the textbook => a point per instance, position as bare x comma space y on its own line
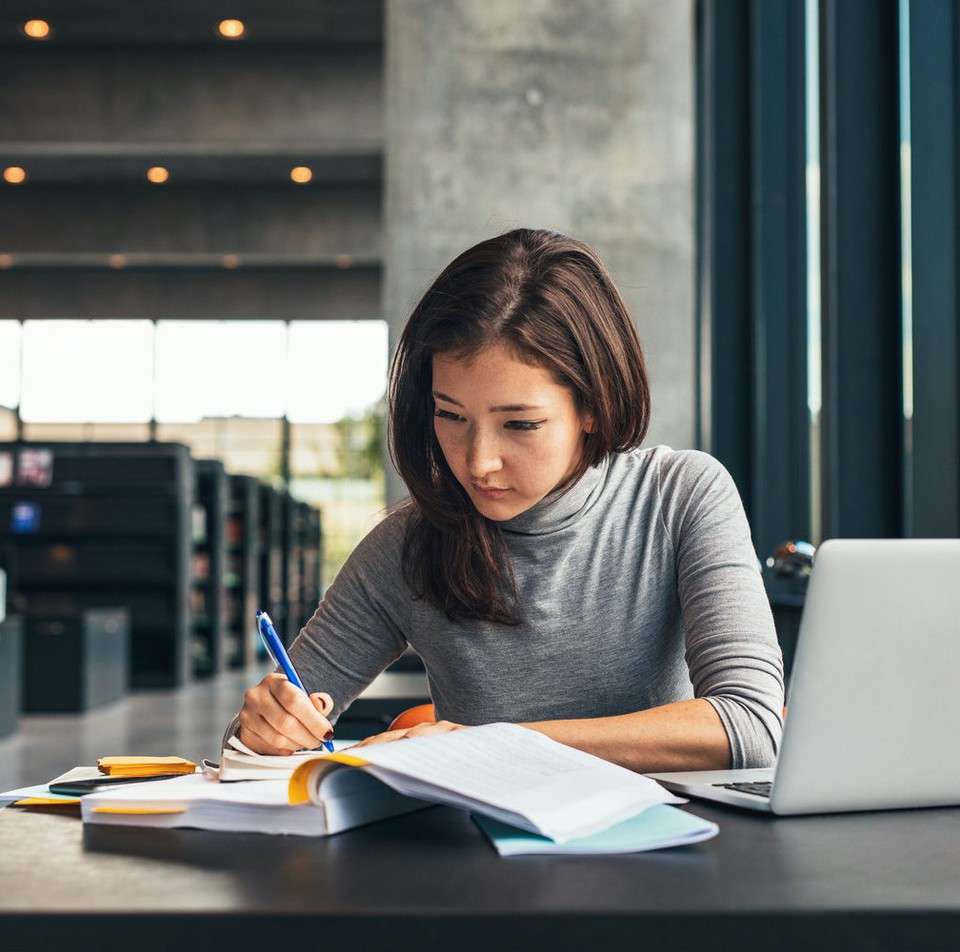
246, 806
507, 772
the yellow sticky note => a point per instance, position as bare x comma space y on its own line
144, 766
47, 802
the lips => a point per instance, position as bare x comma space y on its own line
489, 492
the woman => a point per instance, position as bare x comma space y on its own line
547, 570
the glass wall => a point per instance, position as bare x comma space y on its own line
293, 403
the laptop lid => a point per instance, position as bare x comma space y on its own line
874, 699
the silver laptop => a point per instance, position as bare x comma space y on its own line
873, 706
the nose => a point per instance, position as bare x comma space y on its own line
483, 453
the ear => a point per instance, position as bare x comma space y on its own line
587, 423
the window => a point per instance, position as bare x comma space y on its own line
336, 375
296, 404
828, 250
9, 378
86, 379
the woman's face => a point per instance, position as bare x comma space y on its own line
509, 432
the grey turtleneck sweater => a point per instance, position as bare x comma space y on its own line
638, 587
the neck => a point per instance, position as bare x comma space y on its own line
560, 507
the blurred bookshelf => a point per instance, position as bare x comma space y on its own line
190, 550
241, 579
208, 594
103, 525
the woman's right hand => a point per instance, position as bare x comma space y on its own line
278, 718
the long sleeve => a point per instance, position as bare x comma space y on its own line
732, 652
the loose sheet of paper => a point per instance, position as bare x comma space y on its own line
657, 828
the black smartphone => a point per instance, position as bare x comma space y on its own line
77, 788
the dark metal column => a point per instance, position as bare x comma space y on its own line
932, 462
723, 237
752, 261
862, 386
780, 457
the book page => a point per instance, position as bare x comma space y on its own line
516, 773
493, 760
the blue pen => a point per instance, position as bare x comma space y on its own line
275, 649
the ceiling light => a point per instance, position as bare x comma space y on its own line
14, 175
158, 174
301, 174
231, 29
36, 29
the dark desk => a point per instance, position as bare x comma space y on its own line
430, 881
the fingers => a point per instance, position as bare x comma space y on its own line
278, 718
421, 730
380, 738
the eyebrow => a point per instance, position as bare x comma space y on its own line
504, 408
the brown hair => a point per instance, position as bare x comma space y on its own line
550, 299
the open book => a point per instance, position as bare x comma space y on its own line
502, 771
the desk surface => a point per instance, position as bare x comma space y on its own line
430, 880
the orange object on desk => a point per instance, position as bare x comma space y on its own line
419, 714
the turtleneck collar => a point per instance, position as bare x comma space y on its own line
558, 510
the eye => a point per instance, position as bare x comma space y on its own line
524, 425
446, 414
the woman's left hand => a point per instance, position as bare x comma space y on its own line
420, 730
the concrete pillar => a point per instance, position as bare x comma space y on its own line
575, 115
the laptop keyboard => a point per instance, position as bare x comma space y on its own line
759, 788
